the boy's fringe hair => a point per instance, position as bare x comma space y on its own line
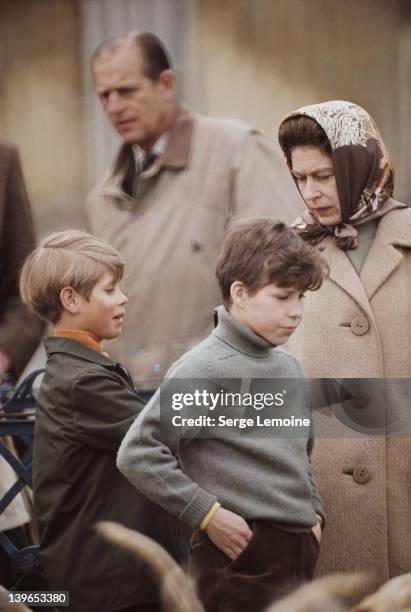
70, 258
258, 252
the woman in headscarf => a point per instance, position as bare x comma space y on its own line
356, 326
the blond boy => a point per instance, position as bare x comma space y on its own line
86, 404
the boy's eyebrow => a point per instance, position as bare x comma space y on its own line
286, 289
110, 281
293, 289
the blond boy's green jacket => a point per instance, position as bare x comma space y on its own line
86, 404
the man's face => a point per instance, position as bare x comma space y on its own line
138, 108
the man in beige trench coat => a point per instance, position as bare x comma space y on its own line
175, 184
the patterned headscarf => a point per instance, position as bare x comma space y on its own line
363, 171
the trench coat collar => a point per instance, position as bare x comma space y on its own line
176, 155
385, 255
394, 230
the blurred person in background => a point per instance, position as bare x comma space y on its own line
356, 326
165, 202
20, 330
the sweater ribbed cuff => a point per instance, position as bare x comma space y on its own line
194, 513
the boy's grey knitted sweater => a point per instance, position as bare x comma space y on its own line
257, 477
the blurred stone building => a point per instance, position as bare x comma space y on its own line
250, 59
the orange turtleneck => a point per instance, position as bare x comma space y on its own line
85, 337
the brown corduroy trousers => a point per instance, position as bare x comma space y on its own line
273, 564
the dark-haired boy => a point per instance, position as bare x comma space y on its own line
251, 500
86, 404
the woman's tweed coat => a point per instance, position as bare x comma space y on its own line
359, 327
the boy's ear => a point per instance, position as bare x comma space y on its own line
238, 292
69, 300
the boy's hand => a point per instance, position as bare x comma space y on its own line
317, 530
229, 532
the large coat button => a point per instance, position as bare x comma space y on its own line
361, 474
359, 326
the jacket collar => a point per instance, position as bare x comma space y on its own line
57, 344
232, 332
384, 256
81, 335
176, 155
54, 345
179, 144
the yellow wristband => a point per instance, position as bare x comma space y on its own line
209, 515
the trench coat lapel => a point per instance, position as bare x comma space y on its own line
343, 274
176, 156
384, 256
